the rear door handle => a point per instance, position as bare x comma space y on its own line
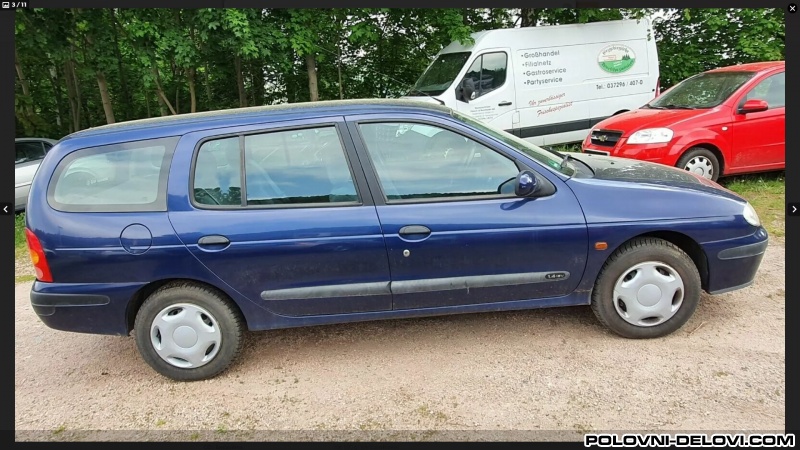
213, 241
504, 104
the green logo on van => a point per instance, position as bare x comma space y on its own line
616, 58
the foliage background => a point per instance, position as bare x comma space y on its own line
78, 68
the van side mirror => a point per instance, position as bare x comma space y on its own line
465, 90
753, 105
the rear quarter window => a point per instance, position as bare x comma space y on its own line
124, 177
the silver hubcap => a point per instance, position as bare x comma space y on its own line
185, 335
701, 166
648, 294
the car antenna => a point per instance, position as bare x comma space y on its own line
413, 89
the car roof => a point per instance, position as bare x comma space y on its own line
751, 67
185, 123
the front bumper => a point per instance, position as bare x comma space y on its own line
658, 153
733, 263
95, 308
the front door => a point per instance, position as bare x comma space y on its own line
454, 233
759, 138
280, 215
493, 99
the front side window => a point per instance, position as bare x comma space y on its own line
121, 177
706, 90
488, 72
287, 167
771, 89
421, 161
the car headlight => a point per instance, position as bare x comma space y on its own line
750, 215
651, 136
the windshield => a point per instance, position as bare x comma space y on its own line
440, 74
549, 158
706, 90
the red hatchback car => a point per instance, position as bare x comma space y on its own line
726, 121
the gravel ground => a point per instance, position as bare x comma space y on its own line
549, 374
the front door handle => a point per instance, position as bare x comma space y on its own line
213, 241
504, 104
414, 229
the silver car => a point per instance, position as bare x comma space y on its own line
30, 152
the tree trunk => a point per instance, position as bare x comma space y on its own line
127, 107
311, 67
56, 95
339, 68
529, 17
72, 97
25, 87
259, 94
108, 108
147, 101
465, 15
78, 96
208, 86
240, 82
160, 92
177, 98
190, 76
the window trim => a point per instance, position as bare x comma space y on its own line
242, 135
159, 205
41, 145
386, 201
480, 56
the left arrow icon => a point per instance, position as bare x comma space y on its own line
6, 208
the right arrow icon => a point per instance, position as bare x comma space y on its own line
793, 209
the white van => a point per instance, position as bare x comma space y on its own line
547, 84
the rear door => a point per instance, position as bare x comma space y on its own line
280, 214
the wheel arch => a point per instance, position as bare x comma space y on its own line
710, 147
682, 241
145, 291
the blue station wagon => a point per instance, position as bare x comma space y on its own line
191, 229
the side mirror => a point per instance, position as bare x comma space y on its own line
753, 105
526, 184
465, 90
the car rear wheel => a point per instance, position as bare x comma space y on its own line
187, 332
648, 288
700, 161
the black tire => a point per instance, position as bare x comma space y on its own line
638, 251
230, 323
699, 155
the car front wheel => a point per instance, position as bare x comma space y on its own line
188, 332
648, 288
700, 161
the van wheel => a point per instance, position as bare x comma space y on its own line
701, 161
188, 332
648, 288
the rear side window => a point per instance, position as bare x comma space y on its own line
287, 167
125, 177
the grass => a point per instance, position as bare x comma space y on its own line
20, 245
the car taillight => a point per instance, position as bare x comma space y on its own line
37, 257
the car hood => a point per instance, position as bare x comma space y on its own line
634, 171
639, 119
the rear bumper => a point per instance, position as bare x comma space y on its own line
84, 308
732, 264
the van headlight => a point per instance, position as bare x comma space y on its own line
651, 136
750, 215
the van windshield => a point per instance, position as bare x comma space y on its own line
550, 158
440, 74
706, 90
